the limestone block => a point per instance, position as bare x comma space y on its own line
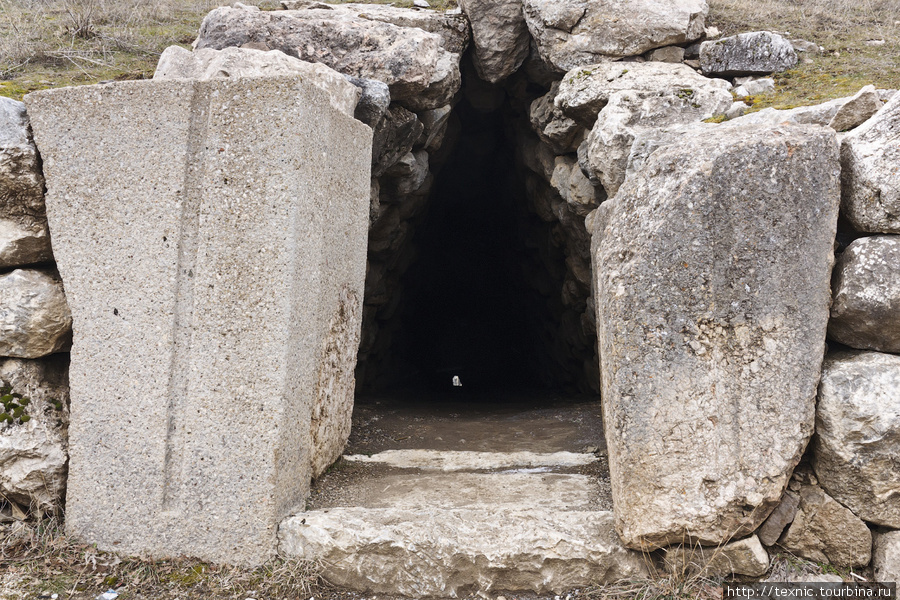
753, 53
434, 123
206, 63
817, 114
374, 100
34, 318
742, 557
33, 454
21, 181
424, 552
555, 129
393, 137
669, 54
765, 85
24, 238
573, 33
500, 37
825, 531
870, 196
23, 244
580, 194
857, 110
857, 432
585, 91
712, 266
451, 26
212, 239
781, 517
886, 556
420, 73
865, 313
627, 113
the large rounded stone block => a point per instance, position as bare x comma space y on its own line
866, 309
34, 451
870, 154
858, 434
572, 33
712, 268
420, 73
34, 318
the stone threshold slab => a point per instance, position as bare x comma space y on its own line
557, 491
451, 552
465, 460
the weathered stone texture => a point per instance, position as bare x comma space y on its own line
500, 37
207, 232
572, 33
865, 313
561, 133
742, 557
451, 26
24, 238
754, 53
857, 110
627, 113
207, 63
712, 268
858, 432
34, 318
781, 517
33, 454
886, 556
585, 91
442, 554
870, 160
825, 531
21, 182
420, 73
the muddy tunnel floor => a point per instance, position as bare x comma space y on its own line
538, 422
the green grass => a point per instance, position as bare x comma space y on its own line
841, 27
54, 43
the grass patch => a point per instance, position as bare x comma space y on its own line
55, 43
841, 27
37, 558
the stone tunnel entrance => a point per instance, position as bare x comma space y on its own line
480, 292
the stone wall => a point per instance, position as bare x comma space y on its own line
684, 266
36, 328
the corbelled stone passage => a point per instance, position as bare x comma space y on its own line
476, 301
211, 235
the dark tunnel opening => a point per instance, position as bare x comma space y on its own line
470, 312
479, 294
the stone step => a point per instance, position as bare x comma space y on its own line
560, 491
449, 552
466, 460
446, 523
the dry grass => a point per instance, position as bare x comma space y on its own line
37, 558
841, 27
51, 43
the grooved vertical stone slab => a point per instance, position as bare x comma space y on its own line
712, 268
211, 236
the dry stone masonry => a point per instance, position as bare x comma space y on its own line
35, 328
239, 245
